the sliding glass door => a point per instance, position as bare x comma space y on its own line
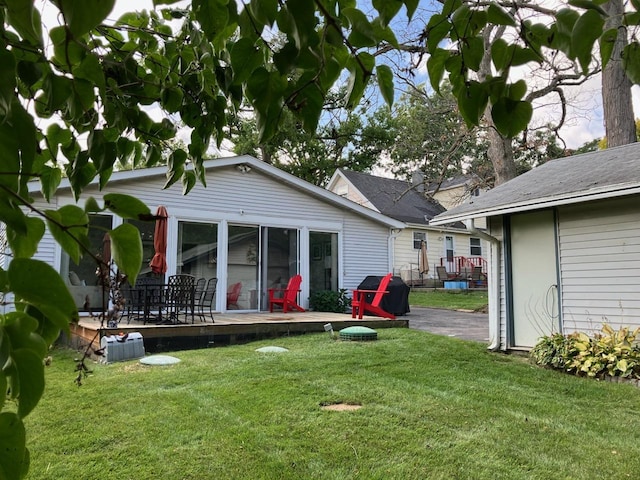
279, 259
243, 267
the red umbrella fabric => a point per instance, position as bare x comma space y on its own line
158, 263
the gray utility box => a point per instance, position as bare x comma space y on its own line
118, 348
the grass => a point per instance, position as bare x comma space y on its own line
432, 407
449, 299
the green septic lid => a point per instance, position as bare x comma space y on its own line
358, 333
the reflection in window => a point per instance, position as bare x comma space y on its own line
242, 268
146, 230
81, 278
197, 249
323, 261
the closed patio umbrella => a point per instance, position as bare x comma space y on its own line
158, 263
423, 260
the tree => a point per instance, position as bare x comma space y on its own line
95, 86
341, 141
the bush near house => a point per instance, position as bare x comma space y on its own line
608, 353
330, 301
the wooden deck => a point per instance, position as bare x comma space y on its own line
228, 329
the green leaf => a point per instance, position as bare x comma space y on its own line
436, 67
188, 181
84, 16
26, 245
472, 100
171, 99
14, 458
586, 31
412, 6
31, 377
91, 206
213, 16
7, 81
385, 83
69, 226
21, 328
437, 30
387, 9
472, 51
498, 16
589, 5
631, 61
126, 248
245, 58
510, 116
361, 71
607, 44
37, 283
50, 178
362, 32
518, 90
90, 69
126, 206
24, 17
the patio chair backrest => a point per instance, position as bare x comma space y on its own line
293, 287
382, 289
209, 292
442, 273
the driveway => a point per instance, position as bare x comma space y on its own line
452, 323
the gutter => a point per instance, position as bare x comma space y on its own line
494, 283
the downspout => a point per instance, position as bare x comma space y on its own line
394, 232
494, 282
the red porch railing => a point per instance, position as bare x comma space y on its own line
459, 264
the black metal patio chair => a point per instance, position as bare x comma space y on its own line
206, 299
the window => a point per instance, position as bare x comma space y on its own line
418, 238
475, 248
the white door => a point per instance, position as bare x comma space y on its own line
534, 277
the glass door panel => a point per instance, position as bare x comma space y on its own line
242, 268
279, 259
323, 261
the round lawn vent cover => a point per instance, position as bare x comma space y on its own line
159, 360
271, 349
358, 333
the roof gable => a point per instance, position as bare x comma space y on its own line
606, 173
394, 198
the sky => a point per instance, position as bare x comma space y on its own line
584, 119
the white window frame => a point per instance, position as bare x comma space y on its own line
477, 247
418, 238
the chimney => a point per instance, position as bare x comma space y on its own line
417, 181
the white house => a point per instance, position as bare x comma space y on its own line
451, 245
565, 246
252, 223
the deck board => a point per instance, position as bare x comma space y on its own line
227, 329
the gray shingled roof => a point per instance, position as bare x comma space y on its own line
603, 174
395, 198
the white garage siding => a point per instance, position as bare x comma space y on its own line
494, 226
600, 264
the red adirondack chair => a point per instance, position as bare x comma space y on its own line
233, 293
289, 294
359, 304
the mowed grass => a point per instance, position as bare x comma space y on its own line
432, 408
449, 299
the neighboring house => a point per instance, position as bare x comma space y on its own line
449, 245
565, 247
253, 224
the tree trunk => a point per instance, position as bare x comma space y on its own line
500, 151
617, 105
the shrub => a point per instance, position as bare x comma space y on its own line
330, 301
608, 353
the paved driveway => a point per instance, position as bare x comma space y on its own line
464, 325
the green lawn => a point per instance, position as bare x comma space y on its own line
432, 408
450, 299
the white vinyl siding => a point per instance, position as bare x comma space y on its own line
495, 229
255, 198
600, 261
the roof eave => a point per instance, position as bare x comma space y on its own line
539, 204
